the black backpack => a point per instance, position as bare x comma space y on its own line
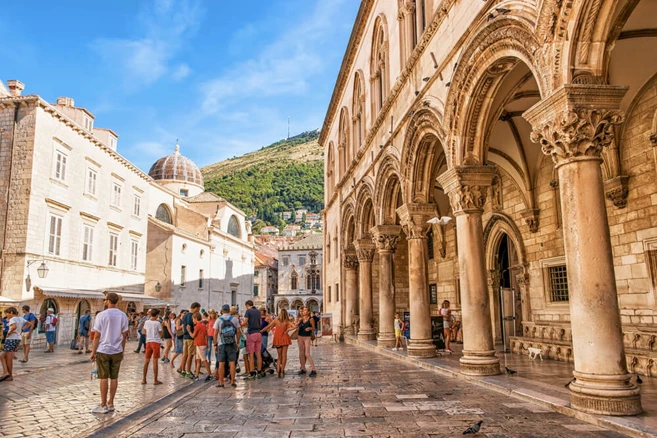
227, 331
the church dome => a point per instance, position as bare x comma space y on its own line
175, 167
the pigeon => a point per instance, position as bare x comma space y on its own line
502, 11
439, 221
638, 379
509, 371
474, 428
568, 384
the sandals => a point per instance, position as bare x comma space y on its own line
22, 361
3, 378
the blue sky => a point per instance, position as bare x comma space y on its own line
222, 76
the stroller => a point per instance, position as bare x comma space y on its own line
267, 362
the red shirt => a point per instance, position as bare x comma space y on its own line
200, 335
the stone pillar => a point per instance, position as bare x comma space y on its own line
350, 263
573, 125
466, 187
414, 219
365, 254
386, 238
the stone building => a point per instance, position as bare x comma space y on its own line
265, 283
532, 125
300, 274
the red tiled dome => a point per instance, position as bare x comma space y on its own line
176, 167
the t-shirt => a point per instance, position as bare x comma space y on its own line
253, 324
200, 335
219, 322
50, 327
5, 325
29, 318
188, 320
210, 326
85, 323
140, 324
153, 331
19, 325
398, 324
111, 324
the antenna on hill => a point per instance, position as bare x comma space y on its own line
288, 128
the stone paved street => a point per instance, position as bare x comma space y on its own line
357, 393
57, 401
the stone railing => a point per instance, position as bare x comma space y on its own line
555, 332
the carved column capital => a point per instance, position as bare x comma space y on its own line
364, 250
616, 190
349, 259
531, 218
386, 237
576, 121
467, 186
414, 219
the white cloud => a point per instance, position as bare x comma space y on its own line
148, 57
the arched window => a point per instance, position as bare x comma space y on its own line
233, 226
294, 281
330, 171
358, 112
379, 66
343, 142
163, 214
407, 24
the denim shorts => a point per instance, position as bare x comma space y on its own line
50, 337
179, 345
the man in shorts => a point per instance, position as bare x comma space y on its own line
227, 351
84, 326
189, 349
111, 327
253, 340
28, 331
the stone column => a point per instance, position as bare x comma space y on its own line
350, 263
414, 219
386, 238
466, 187
573, 125
365, 254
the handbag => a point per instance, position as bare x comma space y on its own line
294, 333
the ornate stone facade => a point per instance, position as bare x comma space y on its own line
533, 159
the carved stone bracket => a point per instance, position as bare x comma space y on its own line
414, 219
386, 237
653, 139
616, 190
364, 250
531, 218
467, 187
350, 260
577, 120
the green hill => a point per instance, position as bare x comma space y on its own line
285, 175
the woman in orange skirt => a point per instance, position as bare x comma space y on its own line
281, 338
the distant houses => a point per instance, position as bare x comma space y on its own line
271, 230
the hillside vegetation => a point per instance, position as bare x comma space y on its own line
285, 175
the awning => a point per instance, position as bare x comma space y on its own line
5, 300
72, 293
143, 298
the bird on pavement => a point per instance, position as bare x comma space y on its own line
638, 379
473, 429
568, 384
509, 371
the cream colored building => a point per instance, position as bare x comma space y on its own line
532, 125
300, 275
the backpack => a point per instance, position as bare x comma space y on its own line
54, 321
227, 331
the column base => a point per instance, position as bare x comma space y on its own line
605, 394
386, 340
421, 348
366, 334
349, 330
479, 363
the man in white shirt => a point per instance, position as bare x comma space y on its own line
51, 330
111, 327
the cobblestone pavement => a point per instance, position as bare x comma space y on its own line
57, 400
356, 393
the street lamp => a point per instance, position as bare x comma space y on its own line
158, 287
42, 271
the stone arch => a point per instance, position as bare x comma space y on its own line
423, 147
163, 213
296, 303
379, 65
387, 188
364, 213
489, 56
497, 225
283, 304
358, 113
344, 143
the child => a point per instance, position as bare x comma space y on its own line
200, 336
153, 332
12, 341
399, 325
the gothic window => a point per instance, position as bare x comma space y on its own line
343, 142
358, 113
233, 226
379, 67
294, 281
407, 24
163, 214
330, 171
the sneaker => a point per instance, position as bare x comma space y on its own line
301, 372
100, 410
260, 376
233, 385
110, 408
192, 376
251, 376
208, 378
313, 373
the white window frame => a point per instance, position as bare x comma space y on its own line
136, 205
55, 225
183, 275
134, 255
116, 194
112, 143
59, 166
87, 242
113, 249
184, 193
92, 181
